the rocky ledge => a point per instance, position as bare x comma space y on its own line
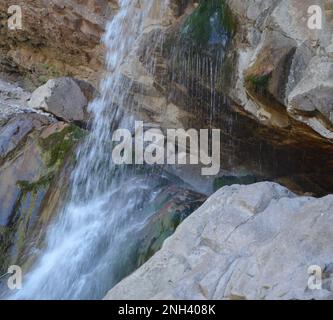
245, 242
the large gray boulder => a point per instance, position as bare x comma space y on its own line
61, 97
245, 242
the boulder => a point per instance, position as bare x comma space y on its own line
314, 93
63, 98
245, 242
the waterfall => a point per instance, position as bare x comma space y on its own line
86, 244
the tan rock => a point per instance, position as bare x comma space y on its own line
61, 38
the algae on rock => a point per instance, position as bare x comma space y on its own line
211, 23
42, 158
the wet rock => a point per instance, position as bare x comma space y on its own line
245, 242
231, 180
167, 206
171, 207
34, 152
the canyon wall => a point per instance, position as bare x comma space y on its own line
252, 69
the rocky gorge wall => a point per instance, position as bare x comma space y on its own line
59, 38
245, 77
257, 73
239, 79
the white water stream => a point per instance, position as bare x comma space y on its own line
86, 246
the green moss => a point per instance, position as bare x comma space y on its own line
171, 208
42, 80
46, 72
225, 74
27, 187
25, 218
5, 243
60, 143
259, 82
163, 229
46, 66
53, 152
211, 21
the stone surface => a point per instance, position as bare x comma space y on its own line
59, 38
245, 242
270, 94
171, 204
61, 97
13, 100
171, 207
16, 130
284, 68
33, 174
178, 83
313, 95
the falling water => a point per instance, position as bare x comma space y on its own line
87, 248
87, 244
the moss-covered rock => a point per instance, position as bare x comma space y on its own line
198, 65
58, 144
171, 207
212, 23
164, 213
27, 174
259, 83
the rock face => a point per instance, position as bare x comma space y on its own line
171, 207
245, 242
58, 38
257, 63
248, 75
36, 155
285, 69
313, 94
35, 163
61, 97
16, 130
13, 100
252, 69
172, 204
